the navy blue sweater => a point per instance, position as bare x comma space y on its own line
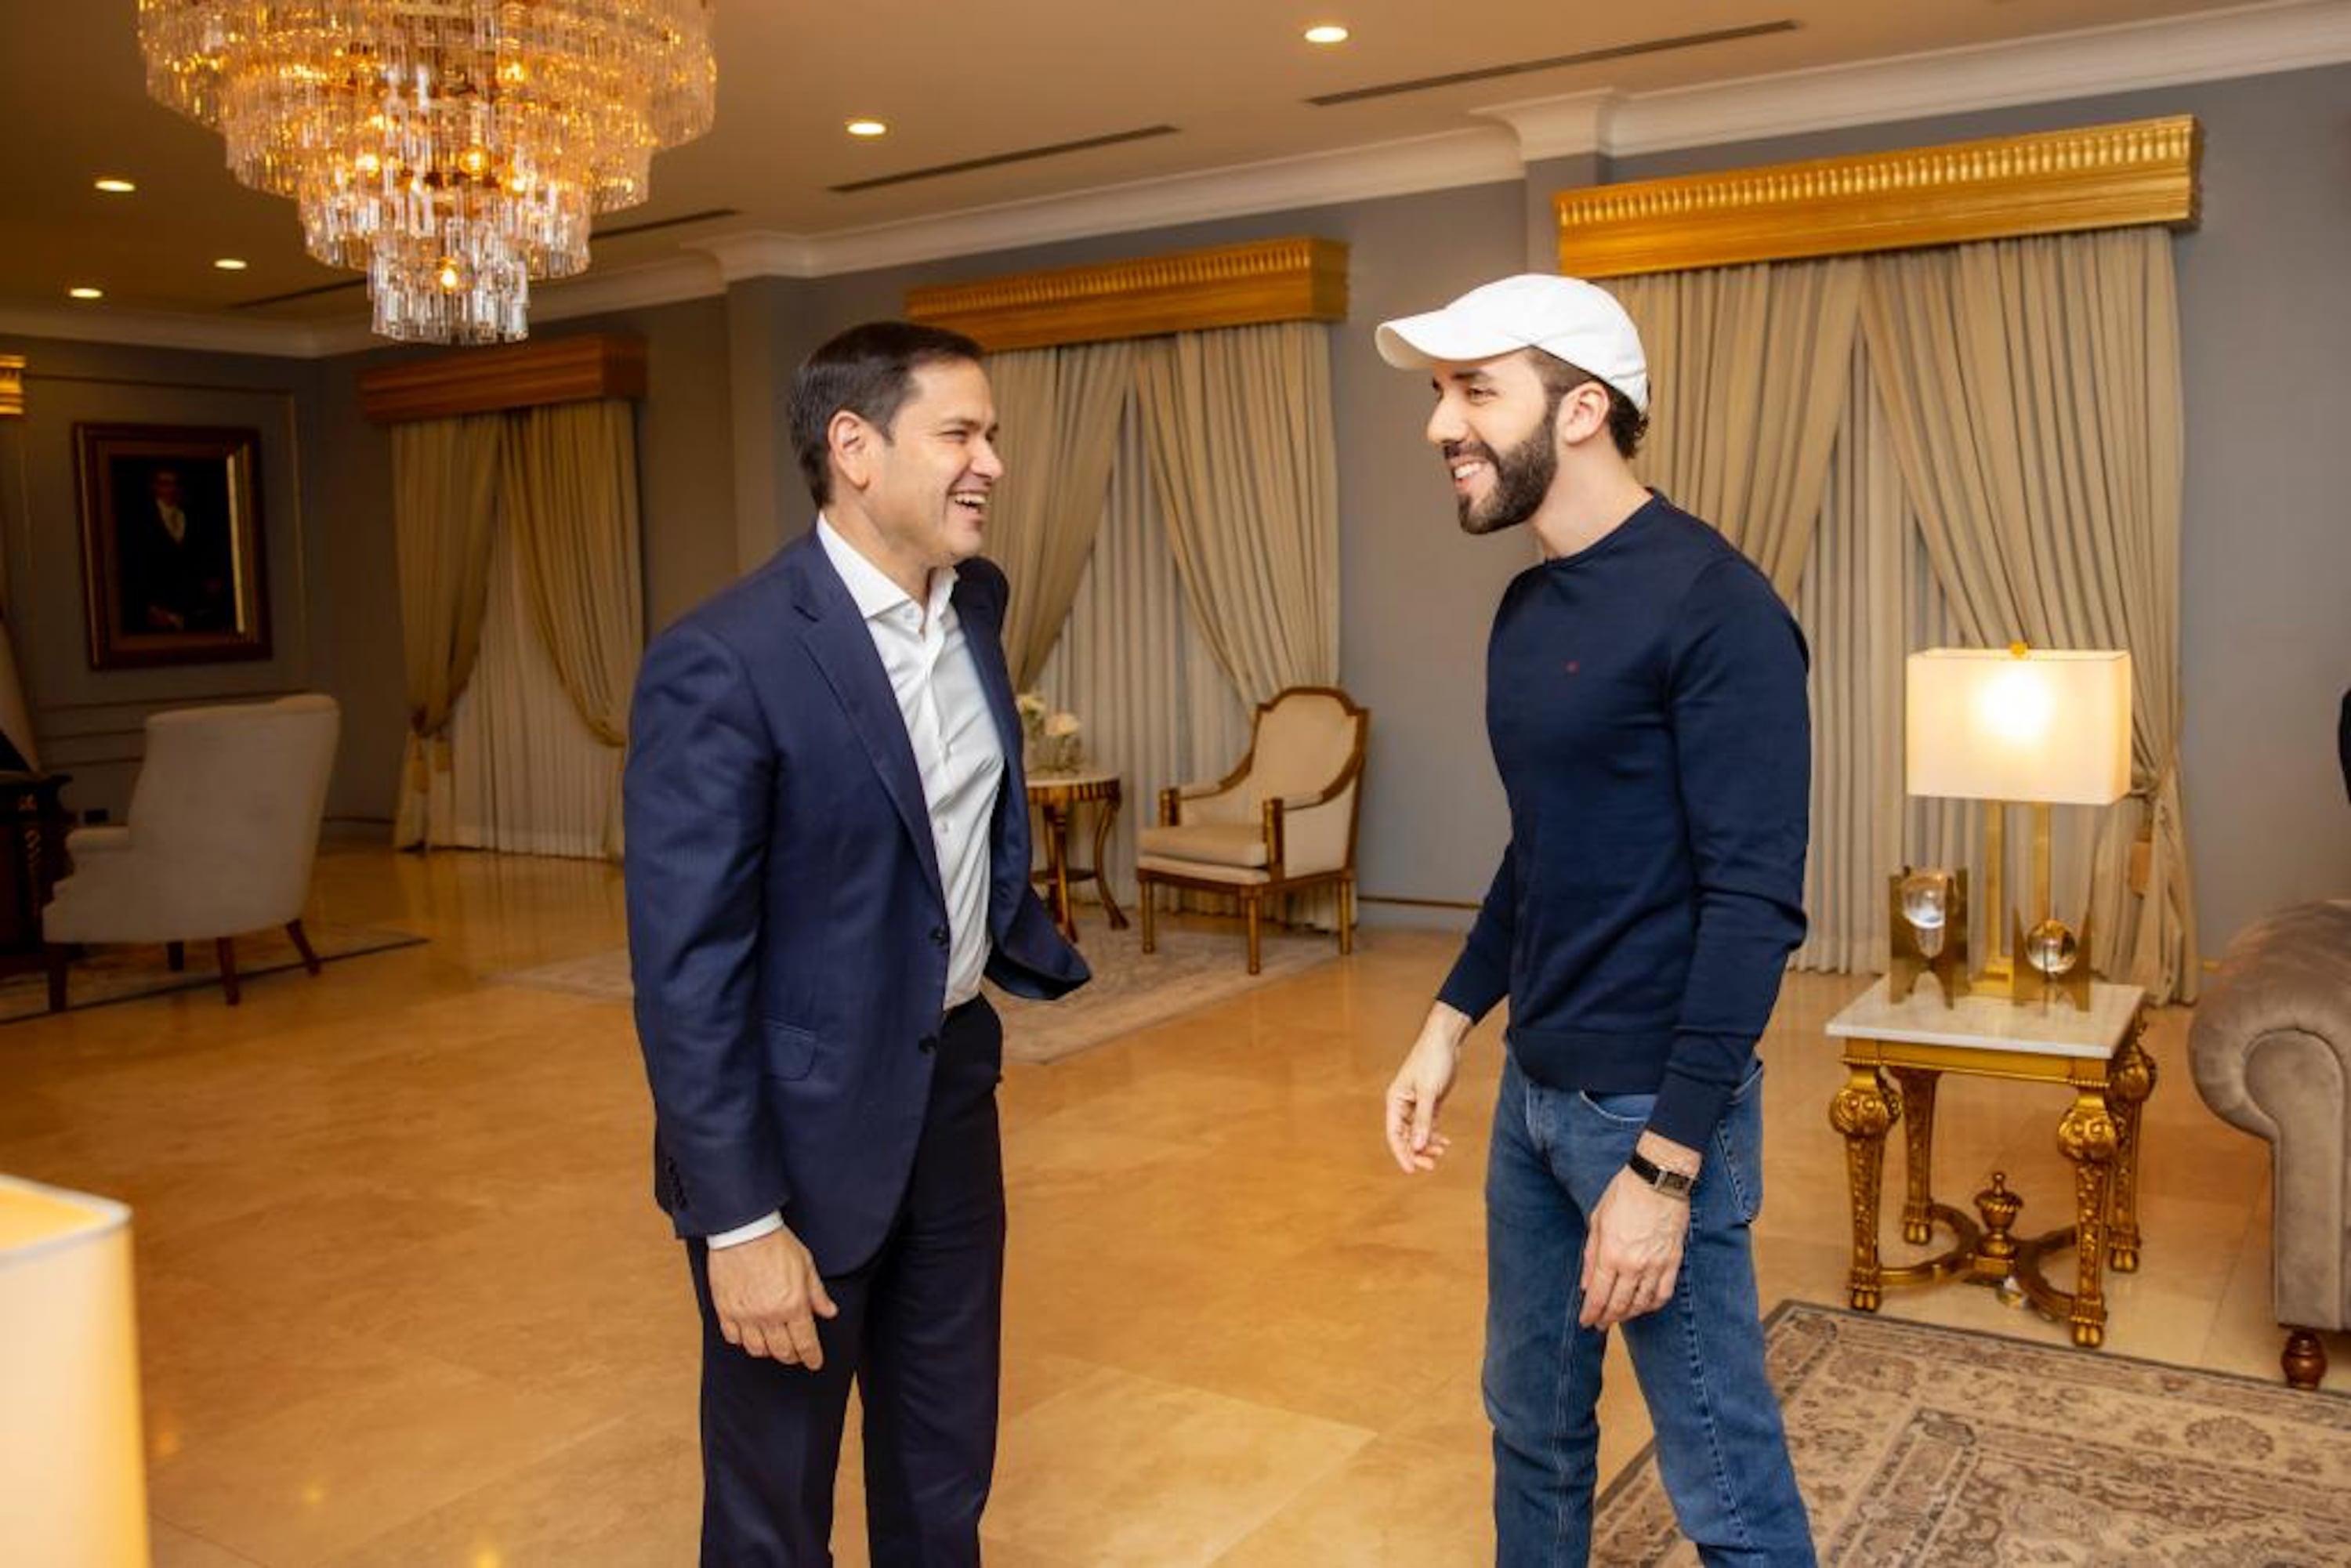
1645, 701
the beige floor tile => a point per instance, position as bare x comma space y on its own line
1127, 1470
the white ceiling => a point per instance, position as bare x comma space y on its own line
955, 82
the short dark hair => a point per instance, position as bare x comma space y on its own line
867, 370
1627, 424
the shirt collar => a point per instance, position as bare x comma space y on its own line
870, 586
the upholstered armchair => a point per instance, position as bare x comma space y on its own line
219, 841
1282, 822
2271, 1049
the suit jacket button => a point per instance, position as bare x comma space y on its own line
927, 1045
938, 935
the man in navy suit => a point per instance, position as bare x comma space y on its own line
827, 846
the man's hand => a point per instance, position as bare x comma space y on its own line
1632, 1251
769, 1296
1420, 1088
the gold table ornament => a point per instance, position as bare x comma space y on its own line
1896, 1054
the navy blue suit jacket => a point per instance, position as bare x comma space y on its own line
787, 934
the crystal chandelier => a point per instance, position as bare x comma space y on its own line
451, 150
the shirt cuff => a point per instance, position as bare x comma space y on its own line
767, 1224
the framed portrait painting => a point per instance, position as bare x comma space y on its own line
172, 545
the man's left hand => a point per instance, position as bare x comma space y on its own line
1632, 1251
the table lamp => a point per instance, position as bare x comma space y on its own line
2041, 726
73, 1480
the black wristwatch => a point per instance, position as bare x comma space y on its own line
1673, 1184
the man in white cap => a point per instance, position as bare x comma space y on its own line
1646, 703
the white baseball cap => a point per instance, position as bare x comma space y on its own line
1566, 317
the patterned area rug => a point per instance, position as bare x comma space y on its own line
1131, 990
1922, 1448
111, 974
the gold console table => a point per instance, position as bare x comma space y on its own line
1896, 1054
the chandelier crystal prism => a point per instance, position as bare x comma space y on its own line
451, 150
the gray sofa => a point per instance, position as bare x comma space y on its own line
2271, 1054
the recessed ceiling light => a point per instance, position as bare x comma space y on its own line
867, 128
84, 291
116, 187
1326, 33
230, 264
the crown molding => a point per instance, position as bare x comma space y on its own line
759, 253
2212, 46
1565, 127
160, 330
1442, 161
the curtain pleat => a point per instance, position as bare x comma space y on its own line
1134, 665
445, 475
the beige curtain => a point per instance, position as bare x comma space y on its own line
1242, 451
2032, 391
527, 774
1134, 666
1850, 607
1750, 366
443, 507
567, 496
1058, 410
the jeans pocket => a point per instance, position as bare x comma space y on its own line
1625, 1110
790, 1051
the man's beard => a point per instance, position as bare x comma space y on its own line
1522, 477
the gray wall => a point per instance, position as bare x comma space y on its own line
2265, 327
87, 722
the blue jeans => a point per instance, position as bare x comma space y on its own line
1720, 1446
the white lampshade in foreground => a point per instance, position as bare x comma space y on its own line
73, 1489
1988, 724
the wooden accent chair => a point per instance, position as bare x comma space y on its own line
1281, 822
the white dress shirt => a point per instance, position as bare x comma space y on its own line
956, 750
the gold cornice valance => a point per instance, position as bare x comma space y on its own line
1230, 285
580, 368
2102, 176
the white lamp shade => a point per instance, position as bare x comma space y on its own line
1988, 724
73, 1486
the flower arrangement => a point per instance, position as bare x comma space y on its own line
1051, 740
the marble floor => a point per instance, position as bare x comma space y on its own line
404, 1298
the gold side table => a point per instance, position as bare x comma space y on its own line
1896, 1054
1057, 797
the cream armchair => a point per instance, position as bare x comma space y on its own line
1282, 822
223, 827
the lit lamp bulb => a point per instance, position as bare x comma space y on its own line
451, 277
474, 161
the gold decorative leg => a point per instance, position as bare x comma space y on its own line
1346, 915
1917, 1086
2088, 1137
1106, 813
1864, 1112
1256, 917
2131, 1080
1147, 904
1057, 861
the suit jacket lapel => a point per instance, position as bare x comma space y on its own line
837, 637
1009, 867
